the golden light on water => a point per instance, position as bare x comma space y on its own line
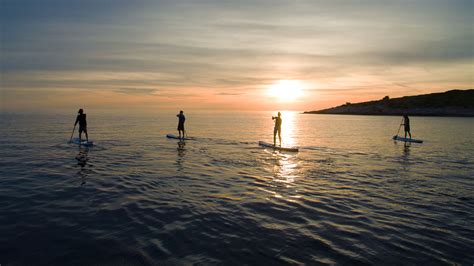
286, 90
285, 168
288, 127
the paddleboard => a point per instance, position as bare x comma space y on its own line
269, 145
83, 143
172, 136
407, 139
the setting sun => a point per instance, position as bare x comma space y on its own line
286, 90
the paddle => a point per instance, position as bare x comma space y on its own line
401, 123
72, 134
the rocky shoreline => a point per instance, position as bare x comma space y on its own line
450, 103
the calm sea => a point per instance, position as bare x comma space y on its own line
350, 196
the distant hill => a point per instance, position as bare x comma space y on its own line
450, 103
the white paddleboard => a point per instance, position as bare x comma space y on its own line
172, 136
83, 142
407, 139
269, 145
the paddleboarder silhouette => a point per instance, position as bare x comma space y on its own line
277, 128
181, 123
406, 125
81, 119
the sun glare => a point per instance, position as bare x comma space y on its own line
286, 90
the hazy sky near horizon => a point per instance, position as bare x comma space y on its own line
227, 54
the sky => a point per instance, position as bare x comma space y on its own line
229, 55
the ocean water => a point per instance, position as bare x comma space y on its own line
351, 196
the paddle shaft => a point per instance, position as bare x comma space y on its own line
72, 134
401, 123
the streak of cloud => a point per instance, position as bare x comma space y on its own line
139, 91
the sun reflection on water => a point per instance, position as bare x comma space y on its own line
283, 172
287, 128
285, 168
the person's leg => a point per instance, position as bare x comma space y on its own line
409, 133
274, 137
405, 134
87, 136
279, 135
80, 135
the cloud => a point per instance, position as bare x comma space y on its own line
228, 93
136, 91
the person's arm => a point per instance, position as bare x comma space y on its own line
77, 121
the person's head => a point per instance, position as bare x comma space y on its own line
181, 112
405, 116
80, 111
279, 114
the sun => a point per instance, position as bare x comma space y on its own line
286, 90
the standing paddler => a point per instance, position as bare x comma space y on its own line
81, 119
181, 120
277, 128
406, 125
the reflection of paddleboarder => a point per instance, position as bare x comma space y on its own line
406, 125
277, 128
181, 148
181, 123
82, 162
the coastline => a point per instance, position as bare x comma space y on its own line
454, 103
437, 113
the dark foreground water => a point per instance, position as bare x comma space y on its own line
350, 196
